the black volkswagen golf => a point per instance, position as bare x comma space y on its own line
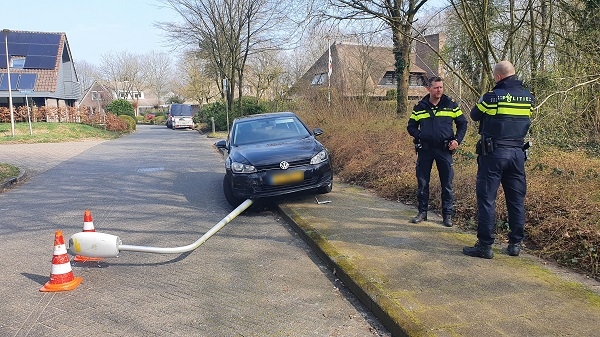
273, 154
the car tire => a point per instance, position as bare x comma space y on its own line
228, 191
325, 189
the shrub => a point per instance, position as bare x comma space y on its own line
218, 111
215, 110
250, 106
114, 123
121, 107
131, 123
391, 95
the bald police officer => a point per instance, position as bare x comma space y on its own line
504, 119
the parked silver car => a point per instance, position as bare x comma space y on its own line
180, 116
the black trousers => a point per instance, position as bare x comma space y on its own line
443, 162
504, 166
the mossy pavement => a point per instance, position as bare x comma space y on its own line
415, 278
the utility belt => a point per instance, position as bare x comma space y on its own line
432, 145
488, 145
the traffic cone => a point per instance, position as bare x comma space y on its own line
61, 277
88, 226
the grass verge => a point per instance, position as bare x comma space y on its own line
42, 132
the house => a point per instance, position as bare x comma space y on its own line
101, 94
369, 71
41, 70
97, 97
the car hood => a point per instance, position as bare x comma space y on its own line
275, 152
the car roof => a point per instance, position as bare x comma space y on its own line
266, 115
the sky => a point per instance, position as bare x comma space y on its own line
94, 28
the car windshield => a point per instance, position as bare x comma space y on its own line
267, 130
181, 110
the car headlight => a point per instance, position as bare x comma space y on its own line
319, 158
242, 168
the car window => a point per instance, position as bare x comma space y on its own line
181, 110
268, 130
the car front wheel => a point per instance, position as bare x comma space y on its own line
325, 189
228, 191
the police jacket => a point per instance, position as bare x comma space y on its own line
433, 124
504, 113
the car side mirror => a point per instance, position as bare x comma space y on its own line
221, 144
317, 131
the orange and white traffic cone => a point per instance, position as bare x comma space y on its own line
61, 277
88, 226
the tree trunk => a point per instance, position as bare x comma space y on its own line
401, 38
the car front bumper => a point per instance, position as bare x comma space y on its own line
261, 184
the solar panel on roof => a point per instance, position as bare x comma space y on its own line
40, 49
50, 49
22, 38
47, 62
35, 50
27, 81
33, 62
19, 49
38, 39
53, 39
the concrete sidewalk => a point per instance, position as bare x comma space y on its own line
416, 280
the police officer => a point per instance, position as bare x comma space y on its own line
430, 125
504, 118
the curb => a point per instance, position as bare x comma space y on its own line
387, 311
13, 181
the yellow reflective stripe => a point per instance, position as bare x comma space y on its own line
514, 109
489, 109
418, 115
446, 114
457, 112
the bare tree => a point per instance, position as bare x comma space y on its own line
227, 32
196, 81
87, 73
265, 69
122, 73
157, 72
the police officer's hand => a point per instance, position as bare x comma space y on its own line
453, 145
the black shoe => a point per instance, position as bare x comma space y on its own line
514, 249
422, 216
447, 220
479, 250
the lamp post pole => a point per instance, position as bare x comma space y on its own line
28, 110
10, 103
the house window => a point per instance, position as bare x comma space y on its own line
130, 94
96, 96
319, 79
416, 81
17, 62
389, 78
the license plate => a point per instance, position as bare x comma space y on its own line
287, 178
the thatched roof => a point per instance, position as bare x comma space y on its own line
359, 70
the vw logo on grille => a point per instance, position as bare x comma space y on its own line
284, 165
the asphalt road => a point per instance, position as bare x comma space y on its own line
160, 188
